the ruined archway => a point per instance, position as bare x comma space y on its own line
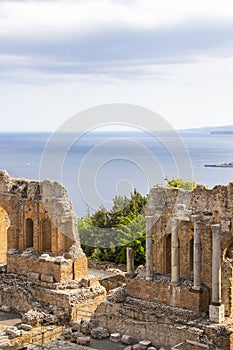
4, 224
168, 253
29, 233
46, 235
191, 247
38, 215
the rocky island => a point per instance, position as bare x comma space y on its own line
220, 165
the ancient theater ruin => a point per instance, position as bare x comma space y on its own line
183, 299
43, 270
38, 231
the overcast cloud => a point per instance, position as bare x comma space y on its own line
99, 42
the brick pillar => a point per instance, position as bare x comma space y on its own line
216, 310
196, 254
36, 227
175, 257
149, 248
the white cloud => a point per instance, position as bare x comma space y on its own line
45, 18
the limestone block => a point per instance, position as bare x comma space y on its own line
126, 339
83, 340
44, 257
216, 313
60, 259
136, 347
34, 276
5, 308
151, 348
8, 330
130, 347
144, 344
11, 251
25, 327
99, 333
89, 281
115, 337
13, 332
47, 278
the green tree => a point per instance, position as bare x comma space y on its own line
133, 235
178, 182
100, 233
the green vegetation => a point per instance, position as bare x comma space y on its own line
178, 182
106, 234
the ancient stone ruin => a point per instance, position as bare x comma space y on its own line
183, 297
43, 270
38, 231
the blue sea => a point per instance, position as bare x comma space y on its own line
97, 165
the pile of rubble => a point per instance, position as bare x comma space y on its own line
82, 332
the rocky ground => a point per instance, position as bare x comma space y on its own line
62, 345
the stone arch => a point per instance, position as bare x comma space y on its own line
4, 225
46, 235
168, 253
29, 233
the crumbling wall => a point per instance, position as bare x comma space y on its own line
42, 219
160, 290
212, 206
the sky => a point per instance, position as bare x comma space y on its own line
60, 57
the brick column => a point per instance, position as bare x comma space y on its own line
216, 310
149, 248
175, 257
36, 227
196, 254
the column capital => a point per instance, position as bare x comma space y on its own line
216, 228
174, 220
195, 218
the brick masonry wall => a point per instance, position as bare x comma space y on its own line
61, 272
164, 331
167, 294
213, 206
3, 235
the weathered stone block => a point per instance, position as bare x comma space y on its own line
47, 278
126, 339
99, 333
115, 337
34, 276
144, 344
25, 327
216, 313
137, 347
5, 308
83, 340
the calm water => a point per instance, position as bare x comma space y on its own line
96, 166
